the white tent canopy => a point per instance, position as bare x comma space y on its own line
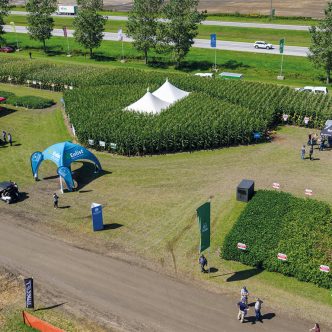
170, 93
148, 104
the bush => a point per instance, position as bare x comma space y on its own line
277, 222
6, 94
30, 102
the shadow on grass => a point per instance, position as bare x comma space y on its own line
112, 226
103, 58
244, 275
6, 111
51, 307
233, 64
23, 196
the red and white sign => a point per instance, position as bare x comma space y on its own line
282, 257
306, 120
308, 192
275, 185
324, 268
242, 246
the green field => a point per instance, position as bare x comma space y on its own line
155, 198
265, 67
297, 38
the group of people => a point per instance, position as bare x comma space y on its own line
313, 140
7, 138
244, 307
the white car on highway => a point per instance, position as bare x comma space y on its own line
263, 44
315, 89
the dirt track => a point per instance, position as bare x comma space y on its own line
125, 295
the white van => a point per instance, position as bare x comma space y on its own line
315, 89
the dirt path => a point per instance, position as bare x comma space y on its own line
124, 294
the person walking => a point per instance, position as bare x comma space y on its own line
311, 152
203, 262
316, 328
55, 201
303, 152
30, 55
243, 308
244, 294
10, 140
4, 137
258, 307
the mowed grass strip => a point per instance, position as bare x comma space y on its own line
293, 37
152, 201
258, 67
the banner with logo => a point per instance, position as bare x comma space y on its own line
35, 160
65, 173
97, 217
203, 218
213, 40
281, 45
29, 296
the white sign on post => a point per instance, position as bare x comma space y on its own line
242, 246
275, 185
282, 257
308, 192
324, 268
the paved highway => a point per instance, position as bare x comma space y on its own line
200, 43
216, 23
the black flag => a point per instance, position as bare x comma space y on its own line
29, 300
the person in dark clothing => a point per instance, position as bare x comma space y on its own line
311, 151
10, 140
30, 55
258, 307
55, 201
243, 308
4, 136
203, 262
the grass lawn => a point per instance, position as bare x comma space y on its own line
297, 38
257, 67
154, 199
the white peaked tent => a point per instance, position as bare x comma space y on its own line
170, 93
148, 104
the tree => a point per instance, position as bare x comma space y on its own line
178, 32
40, 21
89, 27
321, 43
4, 9
142, 24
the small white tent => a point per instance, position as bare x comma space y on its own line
148, 104
170, 93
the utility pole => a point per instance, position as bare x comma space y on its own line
271, 17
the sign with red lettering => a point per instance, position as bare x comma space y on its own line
242, 246
324, 268
308, 192
282, 257
275, 185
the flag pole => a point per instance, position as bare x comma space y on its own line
282, 60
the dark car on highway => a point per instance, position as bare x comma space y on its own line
6, 49
9, 192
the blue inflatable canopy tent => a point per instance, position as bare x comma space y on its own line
63, 154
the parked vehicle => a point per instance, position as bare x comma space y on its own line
314, 89
263, 44
9, 192
6, 49
67, 10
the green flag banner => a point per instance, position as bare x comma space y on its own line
203, 218
281, 45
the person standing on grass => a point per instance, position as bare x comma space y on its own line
316, 328
303, 152
30, 55
242, 310
4, 136
311, 152
10, 140
258, 307
202, 262
55, 201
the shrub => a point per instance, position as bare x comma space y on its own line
6, 94
30, 102
277, 222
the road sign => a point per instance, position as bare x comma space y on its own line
308, 192
282, 257
281, 45
242, 246
213, 40
324, 268
275, 185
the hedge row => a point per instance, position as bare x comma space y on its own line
277, 222
26, 101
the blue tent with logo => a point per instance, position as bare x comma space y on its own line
63, 154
